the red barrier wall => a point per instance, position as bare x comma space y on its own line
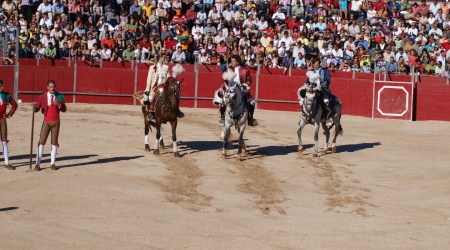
276, 91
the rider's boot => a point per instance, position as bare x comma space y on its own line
180, 114
251, 110
222, 116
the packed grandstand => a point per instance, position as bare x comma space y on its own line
361, 36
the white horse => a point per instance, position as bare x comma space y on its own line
236, 112
311, 113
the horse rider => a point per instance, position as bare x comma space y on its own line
157, 75
243, 77
324, 82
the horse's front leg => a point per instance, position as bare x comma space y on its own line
241, 148
316, 139
174, 138
226, 134
158, 137
299, 133
326, 132
336, 131
146, 130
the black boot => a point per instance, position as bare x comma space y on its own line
180, 114
251, 120
222, 116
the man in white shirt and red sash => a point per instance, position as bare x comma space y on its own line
5, 100
243, 77
51, 103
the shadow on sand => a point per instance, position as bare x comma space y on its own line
357, 147
5, 209
85, 163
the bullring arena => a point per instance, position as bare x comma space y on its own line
385, 187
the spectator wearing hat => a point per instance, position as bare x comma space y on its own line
388, 53
57, 33
24, 50
47, 39
321, 24
265, 39
210, 28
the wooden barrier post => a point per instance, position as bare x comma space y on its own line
135, 82
196, 81
258, 70
74, 81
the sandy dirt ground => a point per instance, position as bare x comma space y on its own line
387, 187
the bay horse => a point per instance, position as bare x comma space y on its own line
167, 106
236, 114
312, 113
147, 127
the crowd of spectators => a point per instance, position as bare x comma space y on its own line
357, 35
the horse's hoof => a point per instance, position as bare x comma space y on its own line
177, 154
239, 159
324, 151
333, 149
161, 143
300, 150
223, 155
147, 148
156, 151
314, 156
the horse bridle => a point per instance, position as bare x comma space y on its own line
311, 102
232, 104
173, 90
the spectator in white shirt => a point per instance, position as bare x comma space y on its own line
279, 16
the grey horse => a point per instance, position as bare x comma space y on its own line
312, 113
236, 112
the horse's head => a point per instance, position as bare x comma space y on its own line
311, 96
172, 91
233, 95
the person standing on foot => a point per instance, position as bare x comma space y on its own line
5, 100
50, 103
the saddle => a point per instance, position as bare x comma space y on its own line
156, 97
330, 110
